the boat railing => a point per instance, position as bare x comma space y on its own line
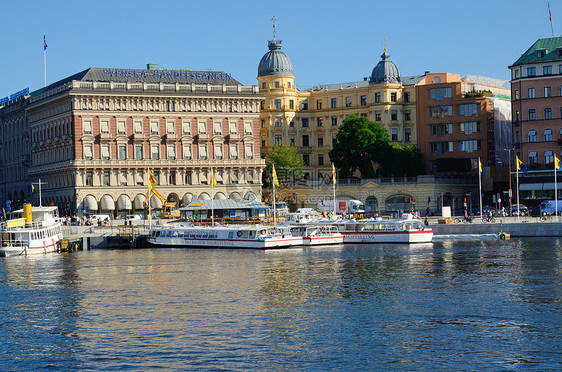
34, 225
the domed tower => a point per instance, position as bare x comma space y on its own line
385, 71
276, 83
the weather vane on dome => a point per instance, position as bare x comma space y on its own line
274, 20
384, 43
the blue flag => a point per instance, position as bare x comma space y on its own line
521, 166
44, 42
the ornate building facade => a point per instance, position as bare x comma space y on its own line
93, 136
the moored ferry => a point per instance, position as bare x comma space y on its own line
178, 234
33, 230
318, 234
404, 230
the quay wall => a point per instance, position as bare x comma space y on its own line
521, 229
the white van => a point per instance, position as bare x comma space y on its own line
133, 217
100, 217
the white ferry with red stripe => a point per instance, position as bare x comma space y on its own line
179, 234
318, 234
405, 230
32, 230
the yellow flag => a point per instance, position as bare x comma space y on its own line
334, 173
556, 163
151, 180
213, 179
275, 179
479, 166
32, 188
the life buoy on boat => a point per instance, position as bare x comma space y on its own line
239, 233
262, 232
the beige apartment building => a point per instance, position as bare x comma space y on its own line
92, 137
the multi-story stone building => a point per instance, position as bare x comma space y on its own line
536, 91
310, 119
93, 136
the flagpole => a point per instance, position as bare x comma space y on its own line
555, 188
480, 185
274, 198
148, 194
550, 17
517, 176
334, 179
45, 58
212, 197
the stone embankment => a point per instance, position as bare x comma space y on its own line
522, 227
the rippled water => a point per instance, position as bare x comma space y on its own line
451, 305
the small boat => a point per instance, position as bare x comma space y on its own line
404, 230
180, 234
318, 234
33, 230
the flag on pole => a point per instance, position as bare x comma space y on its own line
549, 12
521, 166
44, 42
557, 163
213, 179
334, 173
32, 188
151, 180
479, 167
275, 179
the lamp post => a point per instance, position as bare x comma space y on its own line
509, 165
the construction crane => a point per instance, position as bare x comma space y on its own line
169, 208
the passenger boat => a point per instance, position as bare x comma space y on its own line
318, 234
180, 234
404, 230
33, 230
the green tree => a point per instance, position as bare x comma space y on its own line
288, 163
402, 160
360, 143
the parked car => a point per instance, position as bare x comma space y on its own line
133, 217
519, 210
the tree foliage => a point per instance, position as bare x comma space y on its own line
364, 146
288, 163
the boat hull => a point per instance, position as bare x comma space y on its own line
226, 243
323, 240
405, 237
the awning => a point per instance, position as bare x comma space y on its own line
187, 198
235, 195
107, 203
204, 196
220, 196
155, 203
90, 203
139, 201
124, 203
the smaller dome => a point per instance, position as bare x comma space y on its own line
275, 62
385, 71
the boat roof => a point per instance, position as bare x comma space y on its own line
48, 208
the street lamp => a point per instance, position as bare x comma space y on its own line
509, 164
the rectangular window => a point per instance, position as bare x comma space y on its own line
123, 178
202, 127
277, 104
87, 127
292, 139
217, 127
156, 175
276, 84
106, 178
320, 159
88, 152
171, 152
548, 113
393, 96
139, 178
172, 177
89, 178
318, 122
469, 145
531, 71
138, 127
320, 140
288, 84
318, 105
394, 134
377, 98
394, 115
441, 129
469, 109
532, 135
306, 159
440, 94
440, 111
247, 128
305, 142
278, 139
291, 104
407, 115
516, 73
186, 127
232, 128
154, 127
407, 134
170, 127
122, 152
334, 120
532, 114
334, 139
292, 123
105, 152
516, 94
378, 115
548, 135
187, 152
547, 70
533, 157
203, 152
549, 157
363, 100
305, 122
218, 151
263, 85
407, 97
441, 147
469, 127
531, 93
249, 151
104, 127
347, 101
121, 127
548, 91
154, 152
334, 102
188, 178
304, 105
277, 122
138, 152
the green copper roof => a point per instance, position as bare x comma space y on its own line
550, 45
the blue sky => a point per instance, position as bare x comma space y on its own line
327, 41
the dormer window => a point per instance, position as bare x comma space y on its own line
541, 53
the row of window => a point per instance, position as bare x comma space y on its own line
532, 71
465, 109
171, 154
532, 135
534, 157
467, 146
469, 127
532, 92
276, 84
532, 114
349, 101
170, 127
173, 179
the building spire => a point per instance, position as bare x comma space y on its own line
274, 20
384, 42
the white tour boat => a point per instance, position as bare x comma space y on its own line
318, 234
179, 234
404, 230
33, 230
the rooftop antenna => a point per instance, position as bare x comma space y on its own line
274, 33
